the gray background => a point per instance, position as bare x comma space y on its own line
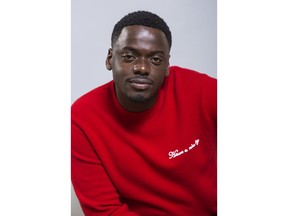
194, 40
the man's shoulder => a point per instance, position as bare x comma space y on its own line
189, 76
93, 98
188, 73
199, 87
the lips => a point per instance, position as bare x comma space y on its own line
140, 83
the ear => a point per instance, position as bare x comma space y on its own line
108, 61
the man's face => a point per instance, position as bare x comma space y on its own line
139, 61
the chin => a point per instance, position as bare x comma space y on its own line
138, 99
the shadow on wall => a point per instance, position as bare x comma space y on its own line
75, 205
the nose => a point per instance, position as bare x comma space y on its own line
141, 68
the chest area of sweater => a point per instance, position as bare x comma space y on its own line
167, 146
162, 135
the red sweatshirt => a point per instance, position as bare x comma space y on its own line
153, 163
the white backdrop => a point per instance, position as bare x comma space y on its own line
193, 24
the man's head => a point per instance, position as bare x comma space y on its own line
142, 18
139, 59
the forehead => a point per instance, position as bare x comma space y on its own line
142, 37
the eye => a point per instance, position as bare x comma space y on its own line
156, 60
128, 58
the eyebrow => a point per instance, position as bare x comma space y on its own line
136, 51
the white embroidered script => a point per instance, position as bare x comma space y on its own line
176, 153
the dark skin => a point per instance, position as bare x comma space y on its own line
139, 61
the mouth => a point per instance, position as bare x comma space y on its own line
140, 83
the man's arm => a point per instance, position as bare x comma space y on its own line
95, 191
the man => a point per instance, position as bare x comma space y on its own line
145, 143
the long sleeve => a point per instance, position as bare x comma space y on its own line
92, 185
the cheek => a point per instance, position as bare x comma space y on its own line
117, 69
160, 78
119, 76
118, 79
116, 64
120, 68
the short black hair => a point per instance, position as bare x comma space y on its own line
143, 18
